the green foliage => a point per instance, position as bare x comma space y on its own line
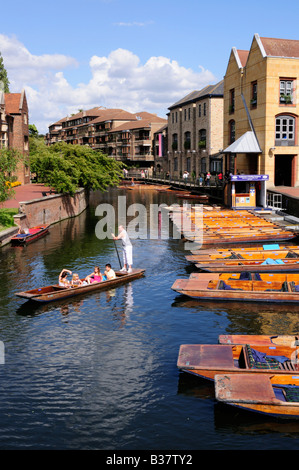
9, 159
3, 75
67, 167
6, 218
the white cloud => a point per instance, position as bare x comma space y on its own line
118, 80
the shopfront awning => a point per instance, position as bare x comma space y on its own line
247, 143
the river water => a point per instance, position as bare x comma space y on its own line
99, 371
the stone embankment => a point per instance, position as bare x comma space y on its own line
47, 209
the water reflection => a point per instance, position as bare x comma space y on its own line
248, 317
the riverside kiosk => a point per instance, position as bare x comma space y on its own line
248, 191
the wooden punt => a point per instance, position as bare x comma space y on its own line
208, 360
281, 288
200, 197
147, 186
290, 341
256, 265
33, 234
226, 252
272, 395
56, 292
248, 255
230, 229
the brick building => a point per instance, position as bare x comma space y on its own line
14, 129
261, 110
195, 132
117, 133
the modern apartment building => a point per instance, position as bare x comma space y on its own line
117, 133
195, 132
14, 129
261, 110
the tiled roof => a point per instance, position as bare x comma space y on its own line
12, 103
209, 90
138, 124
281, 47
243, 56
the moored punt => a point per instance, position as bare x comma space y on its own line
33, 234
208, 360
252, 255
226, 252
290, 341
282, 288
200, 227
239, 265
56, 292
275, 395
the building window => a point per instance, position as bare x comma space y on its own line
231, 101
232, 131
185, 114
203, 165
174, 142
172, 118
176, 116
202, 136
199, 110
189, 114
253, 101
187, 140
286, 92
188, 164
285, 131
175, 164
205, 109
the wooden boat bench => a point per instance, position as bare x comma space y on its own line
271, 362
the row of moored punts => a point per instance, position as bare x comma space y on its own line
240, 256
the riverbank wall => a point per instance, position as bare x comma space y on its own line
46, 210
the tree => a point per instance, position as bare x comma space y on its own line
9, 159
3, 76
67, 167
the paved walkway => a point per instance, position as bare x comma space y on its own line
26, 193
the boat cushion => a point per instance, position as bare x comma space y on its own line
294, 288
259, 360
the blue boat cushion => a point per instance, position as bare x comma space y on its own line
272, 261
260, 360
294, 288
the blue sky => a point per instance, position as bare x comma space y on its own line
131, 54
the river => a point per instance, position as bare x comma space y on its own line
99, 371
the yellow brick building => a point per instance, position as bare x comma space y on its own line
261, 110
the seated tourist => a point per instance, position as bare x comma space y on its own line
62, 280
109, 273
76, 281
96, 276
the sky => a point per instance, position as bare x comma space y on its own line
134, 55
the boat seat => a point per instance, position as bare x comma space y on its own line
291, 255
294, 287
291, 393
224, 286
269, 363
